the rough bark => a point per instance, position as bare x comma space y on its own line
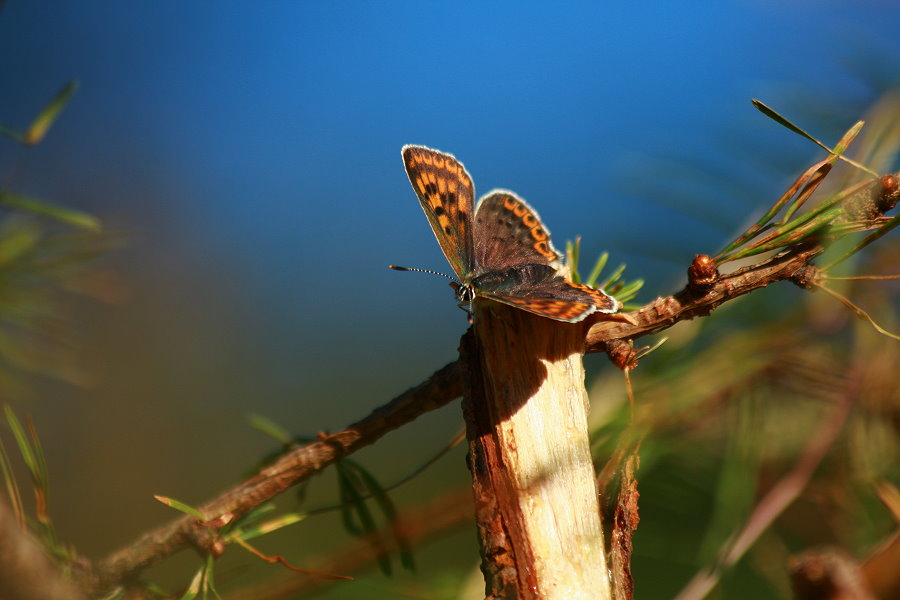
536, 501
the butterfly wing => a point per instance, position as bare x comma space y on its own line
516, 263
541, 290
446, 193
508, 232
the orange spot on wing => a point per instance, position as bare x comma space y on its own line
539, 234
544, 249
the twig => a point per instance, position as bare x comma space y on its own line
693, 301
290, 469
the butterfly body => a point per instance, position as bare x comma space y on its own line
499, 249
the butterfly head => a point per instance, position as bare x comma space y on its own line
465, 294
465, 291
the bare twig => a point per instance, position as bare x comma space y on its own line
290, 469
693, 301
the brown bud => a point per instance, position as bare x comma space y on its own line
217, 548
703, 272
621, 353
890, 192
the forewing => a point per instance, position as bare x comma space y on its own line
446, 193
508, 233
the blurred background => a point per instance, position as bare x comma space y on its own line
245, 163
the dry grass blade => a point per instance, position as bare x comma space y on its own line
278, 559
857, 311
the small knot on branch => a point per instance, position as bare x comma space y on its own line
621, 353
702, 273
890, 193
807, 276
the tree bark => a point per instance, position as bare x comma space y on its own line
537, 506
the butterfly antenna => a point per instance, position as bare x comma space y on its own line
398, 268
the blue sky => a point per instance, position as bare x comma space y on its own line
251, 153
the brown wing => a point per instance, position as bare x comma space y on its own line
446, 193
508, 232
540, 290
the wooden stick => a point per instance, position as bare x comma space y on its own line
536, 501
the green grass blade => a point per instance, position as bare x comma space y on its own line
21, 440
256, 515
352, 493
41, 124
196, 583
250, 532
613, 277
765, 221
784, 122
866, 241
18, 240
390, 512
209, 578
598, 268
573, 249
38, 207
811, 186
12, 487
8, 132
42, 474
346, 493
180, 506
270, 428
629, 291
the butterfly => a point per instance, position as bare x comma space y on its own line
499, 249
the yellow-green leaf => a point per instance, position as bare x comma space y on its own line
41, 124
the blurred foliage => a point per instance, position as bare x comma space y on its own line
45, 250
728, 406
45, 253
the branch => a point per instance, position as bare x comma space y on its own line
797, 242
290, 469
705, 291
698, 300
